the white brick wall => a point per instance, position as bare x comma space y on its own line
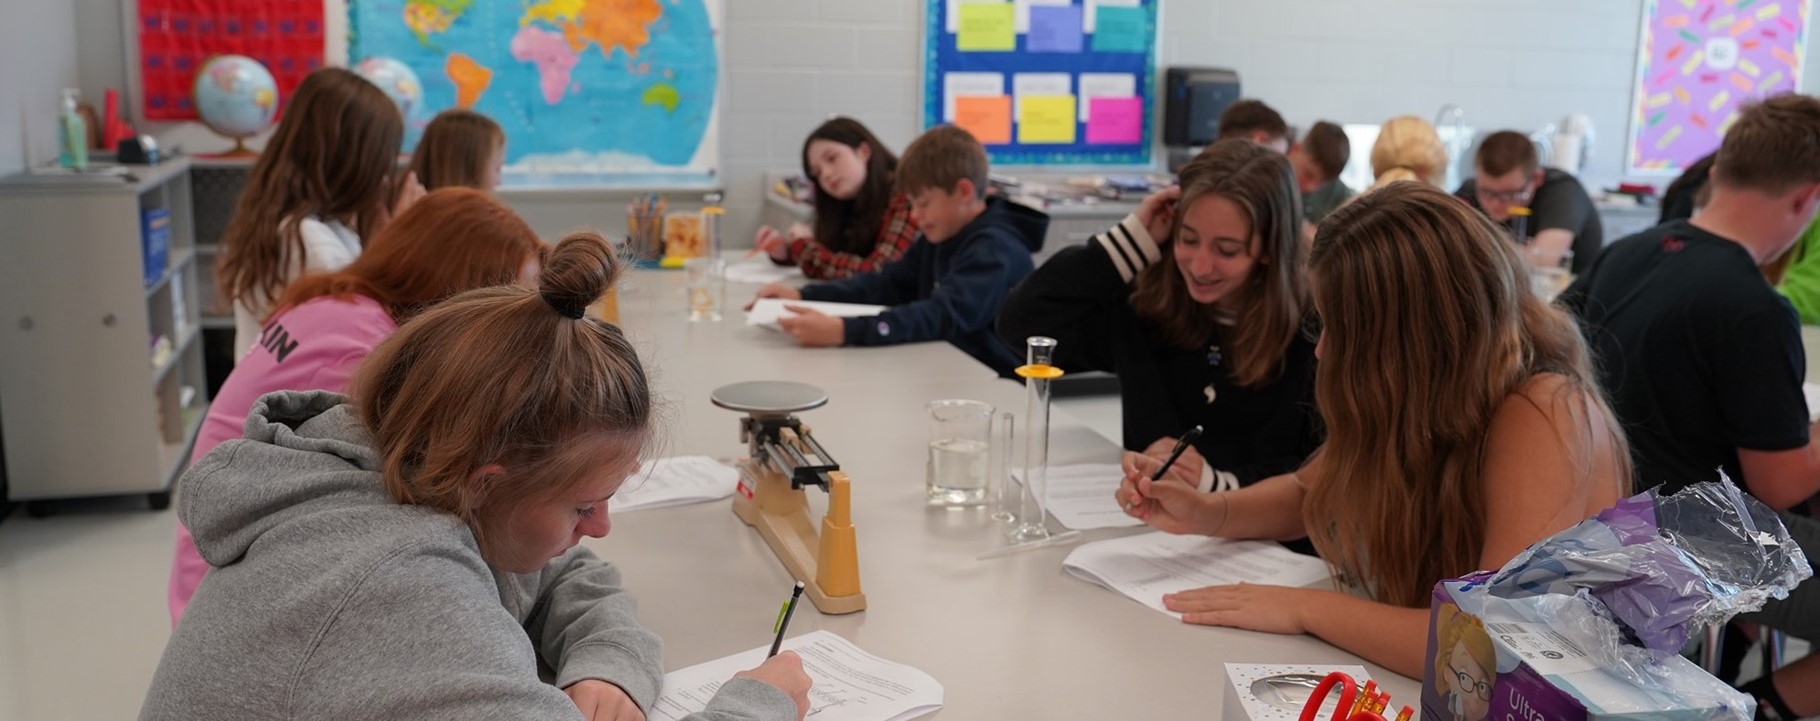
1508, 63
792, 63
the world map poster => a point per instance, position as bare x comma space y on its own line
1699, 61
583, 88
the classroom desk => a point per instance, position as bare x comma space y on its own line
1009, 638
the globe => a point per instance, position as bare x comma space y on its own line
236, 97
396, 79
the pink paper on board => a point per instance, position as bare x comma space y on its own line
1115, 121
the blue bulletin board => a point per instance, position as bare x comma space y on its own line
1044, 82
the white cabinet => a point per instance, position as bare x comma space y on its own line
101, 375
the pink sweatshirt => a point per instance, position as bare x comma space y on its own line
314, 346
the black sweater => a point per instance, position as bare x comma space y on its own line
948, 291
1081, 297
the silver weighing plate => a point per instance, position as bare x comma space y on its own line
769, 398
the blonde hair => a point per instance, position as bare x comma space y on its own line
506, 375
1430, 325
1274, 298
1408, 148
1457, 627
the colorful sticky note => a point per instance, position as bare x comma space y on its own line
987, 118
1046, 119
1054, 29
987, 27
1115, 121
1120, 29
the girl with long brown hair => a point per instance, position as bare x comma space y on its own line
862, 222
321, 185
1463, 420
460, 149
454, 240
412, 551
1197, 302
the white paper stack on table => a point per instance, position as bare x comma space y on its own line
761, 271
1081, 496
1146, 566
766, 311
675, 481
849, 684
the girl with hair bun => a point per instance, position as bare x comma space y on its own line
410, 552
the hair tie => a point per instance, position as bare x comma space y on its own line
571, 312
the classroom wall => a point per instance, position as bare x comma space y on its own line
792, 63
37, 60
1508, 63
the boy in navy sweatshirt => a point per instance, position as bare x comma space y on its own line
951, 283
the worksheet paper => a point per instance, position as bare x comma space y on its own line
761, 271
1081, 496
849, 684
1812, 393
1146, 566
675, 481
766, 311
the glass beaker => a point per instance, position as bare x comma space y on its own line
707, 285
959, 440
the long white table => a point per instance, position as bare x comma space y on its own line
1009, 638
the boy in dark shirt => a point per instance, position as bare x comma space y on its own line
1506, 173
1254, 121
951, 282
1704, 360
1319, 159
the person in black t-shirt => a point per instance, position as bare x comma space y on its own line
1704, 360
1201, 313
1506, 173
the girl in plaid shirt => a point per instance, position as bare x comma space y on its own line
862, 222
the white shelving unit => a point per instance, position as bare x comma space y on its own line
89, 403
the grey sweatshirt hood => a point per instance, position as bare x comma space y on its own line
327, 599
302, 453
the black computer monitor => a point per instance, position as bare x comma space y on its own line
1193, 99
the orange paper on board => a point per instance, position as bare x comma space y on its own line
988, 118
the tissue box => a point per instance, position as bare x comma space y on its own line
1539, 659
1247, 698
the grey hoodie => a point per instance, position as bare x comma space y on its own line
328, 600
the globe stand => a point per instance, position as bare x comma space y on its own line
240, 150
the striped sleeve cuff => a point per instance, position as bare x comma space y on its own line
1129, 246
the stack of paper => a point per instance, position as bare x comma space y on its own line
674, 482
761, 271
1081, 496
766, 311
849, 684
1146, 566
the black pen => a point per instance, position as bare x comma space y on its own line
1180, 445
783, 619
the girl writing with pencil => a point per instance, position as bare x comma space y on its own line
861, 221
410, 552
1198, 303
1463, 419
325, 180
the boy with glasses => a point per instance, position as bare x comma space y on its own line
1507, 174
